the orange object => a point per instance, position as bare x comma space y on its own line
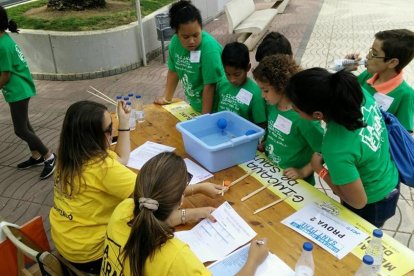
226, 182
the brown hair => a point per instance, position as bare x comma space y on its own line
276, 70
164, 179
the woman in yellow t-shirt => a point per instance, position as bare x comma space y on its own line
140, 235
90, 181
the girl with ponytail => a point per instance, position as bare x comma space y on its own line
140, 235
355, 160
18, 87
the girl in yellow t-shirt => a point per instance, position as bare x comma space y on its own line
140, 235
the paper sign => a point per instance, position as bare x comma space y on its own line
383, 101
232, 264
244, 96
145, 152
199, 173
211, 241
195, 56
334, 235
283, 124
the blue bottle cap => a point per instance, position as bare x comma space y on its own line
307, 246
250, 132
377, 233
130, 94
222, 123
119, 97
367, 259
126, 98
138, 96
128, 103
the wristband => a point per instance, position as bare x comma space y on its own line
323, 173
183, 212
128, 129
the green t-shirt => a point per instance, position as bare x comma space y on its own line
245, 100
197, 68
363, 153
20, 85
402, 97
291, 140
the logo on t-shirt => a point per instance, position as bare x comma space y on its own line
19, 53
372, 133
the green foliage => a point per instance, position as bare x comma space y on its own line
72, 22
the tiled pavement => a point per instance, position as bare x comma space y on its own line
319, 32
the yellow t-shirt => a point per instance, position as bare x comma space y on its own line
173, 258
78, 223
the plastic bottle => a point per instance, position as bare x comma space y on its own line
118, 99
342, 63
132, 122
375, 250
305, 265
139, 109
366, 267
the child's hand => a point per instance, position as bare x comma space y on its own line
294, 173
161, 100
258, 251
354, 56
124, 111
210, 189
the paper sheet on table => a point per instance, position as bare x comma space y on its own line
199, 173
331, 233
211, 241
145, 152
232, 264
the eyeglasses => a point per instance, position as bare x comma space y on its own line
109, 129
371, 55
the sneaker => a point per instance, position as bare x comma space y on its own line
30, 163
49, 168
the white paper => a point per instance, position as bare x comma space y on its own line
145, 152
383, 101
211, 241
195, 56
244, 96
283, 124
330, 232
232, 264
199, 173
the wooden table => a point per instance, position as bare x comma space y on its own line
159, 126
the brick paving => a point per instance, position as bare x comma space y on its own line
318, 30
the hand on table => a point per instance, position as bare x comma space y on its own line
161, 100
210, 189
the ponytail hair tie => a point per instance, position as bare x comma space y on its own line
148, 203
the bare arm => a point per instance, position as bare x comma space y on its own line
123, 147
172, 82
4, 78
208, 98
257, 254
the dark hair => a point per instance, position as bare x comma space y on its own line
273, 43
276, 70
5, 23
397, 44
164, 179
183, 12
337, 95
236, 55
82, 139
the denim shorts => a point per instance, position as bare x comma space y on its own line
378, 212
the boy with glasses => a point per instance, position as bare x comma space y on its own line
390, 52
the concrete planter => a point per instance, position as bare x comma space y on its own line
85, 55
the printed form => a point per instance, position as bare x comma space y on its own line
145, 152
211, 241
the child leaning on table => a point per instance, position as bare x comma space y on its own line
290, 139
237, 92
140, 234
390, 52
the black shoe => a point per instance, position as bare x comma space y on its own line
49, 167
30, 163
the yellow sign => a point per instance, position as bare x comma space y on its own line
398, 259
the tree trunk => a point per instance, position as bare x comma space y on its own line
75, 4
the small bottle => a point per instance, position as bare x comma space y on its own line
132, 122
375, 250
366, 267
118, 99
139, 109
343, 63
305, 265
